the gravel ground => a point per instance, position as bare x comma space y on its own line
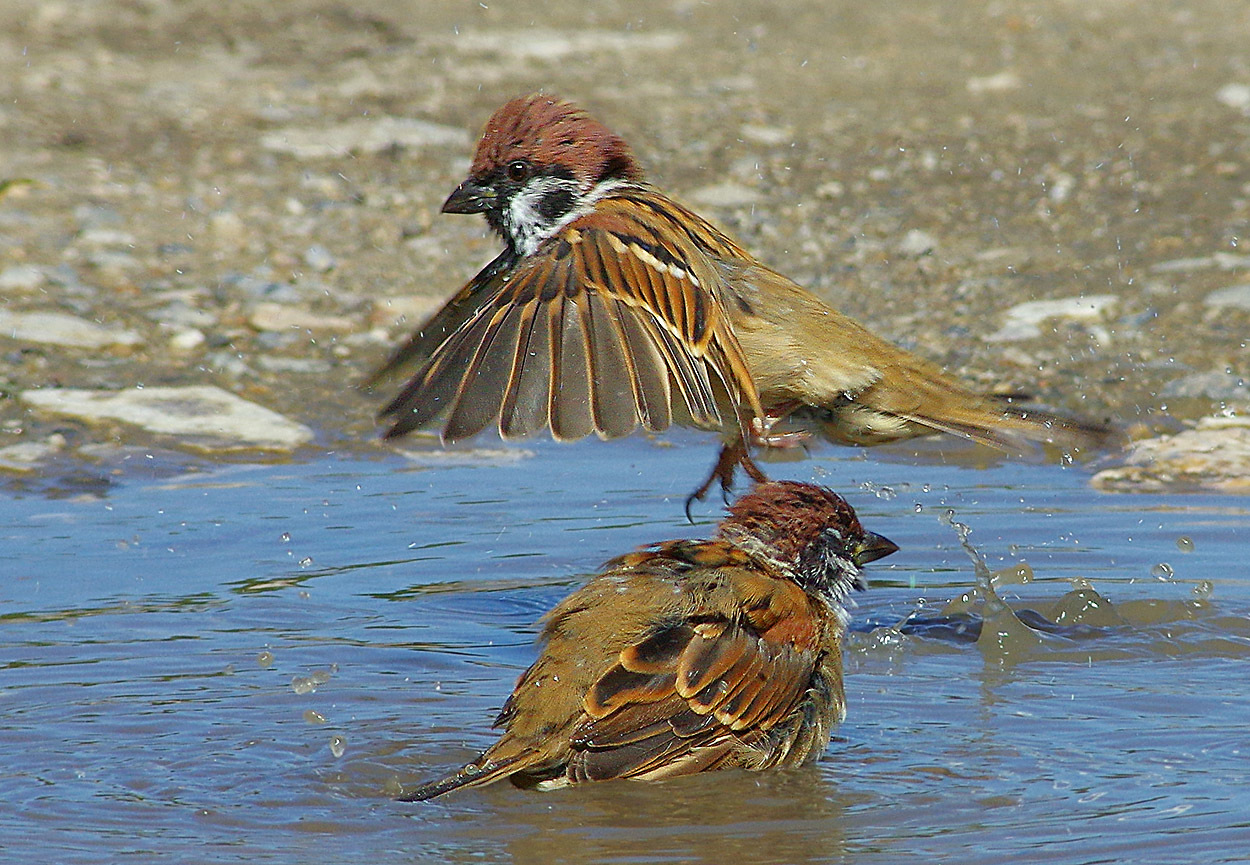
245, 196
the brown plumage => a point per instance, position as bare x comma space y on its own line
689, 656
613, 307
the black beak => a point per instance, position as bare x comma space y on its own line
873, 547
470, 197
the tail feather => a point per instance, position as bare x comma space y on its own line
470, 775
1010, 428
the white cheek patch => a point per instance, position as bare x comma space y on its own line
524, 219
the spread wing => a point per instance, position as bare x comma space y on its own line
608, 325
696, 695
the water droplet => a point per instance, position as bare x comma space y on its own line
886, 493
1203, 590
314, 717
285, 537
229, 670
1185, 544
1162, 571
264, 659
319, 677
306, 561
338, 745
919, 507
302, 685
927, 488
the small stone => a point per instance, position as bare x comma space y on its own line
769, 136
280, 316
917, 243
27, 456
1217, 384
726, 195
318, 258
372, 135
106, 237
205, 417
999, 83
187, 340
1215, 455
404, 311
1237, 296
22, 277
539, 43
1235, 96
56, 328
1024, 319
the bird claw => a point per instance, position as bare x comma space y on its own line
731, 456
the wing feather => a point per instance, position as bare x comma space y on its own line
592, 333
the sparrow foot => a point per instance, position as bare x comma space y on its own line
731, 456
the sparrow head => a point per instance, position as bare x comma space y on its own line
811, 531
540, 163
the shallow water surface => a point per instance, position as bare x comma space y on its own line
245, 664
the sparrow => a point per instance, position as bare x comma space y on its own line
612, 306
691, 655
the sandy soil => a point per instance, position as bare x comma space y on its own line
229, 182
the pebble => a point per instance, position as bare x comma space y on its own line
205, 416
187, 339
318, 258
1235, 95
1023, 320
999, 83
21, 277
27, 456
1217, 384
726, 195
363, 136
539, 43
1214, 455
916, 243
281, 316
1237, 296
56, 328
1220, 260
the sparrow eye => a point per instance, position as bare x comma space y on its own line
518, 170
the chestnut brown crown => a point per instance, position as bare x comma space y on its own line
545, 131
809, 529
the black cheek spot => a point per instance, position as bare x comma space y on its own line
555, 204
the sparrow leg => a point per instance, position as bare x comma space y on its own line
763, 436
731, 456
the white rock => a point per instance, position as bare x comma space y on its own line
187, 339
1023, 320
1215, 455
1234, 295
21, 277
372, 135
916, 243
1235, 96
537, 43
726, 195
280, 316
26, 456
56, 328
1221, 260
1000, 83
106, 237
204, 416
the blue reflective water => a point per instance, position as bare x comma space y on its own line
181, 658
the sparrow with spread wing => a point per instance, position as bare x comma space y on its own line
690, 656
613, 306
